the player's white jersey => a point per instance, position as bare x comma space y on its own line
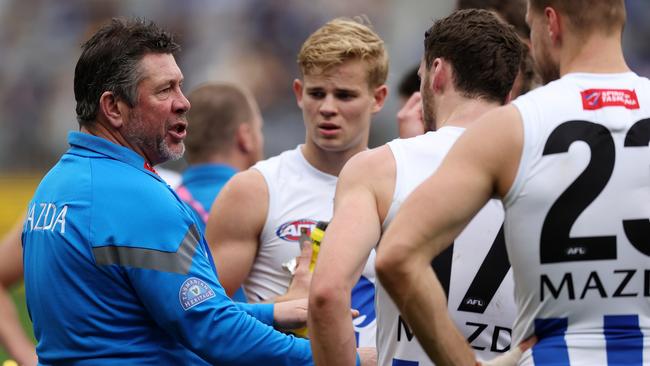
474, 271
577, 221
300, 196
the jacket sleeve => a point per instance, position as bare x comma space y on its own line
261, 312
184, 297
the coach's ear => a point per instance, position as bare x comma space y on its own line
112, 109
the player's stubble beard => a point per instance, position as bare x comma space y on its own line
428, 105
546, 69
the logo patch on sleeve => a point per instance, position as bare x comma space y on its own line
193, 292
593, 99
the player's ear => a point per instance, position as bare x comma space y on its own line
379, 96
554, 22
297, 90
439, 75
112, 109
244, 137
508, 97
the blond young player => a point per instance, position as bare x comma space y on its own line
256, 221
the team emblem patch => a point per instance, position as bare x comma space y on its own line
290, 231
193, 292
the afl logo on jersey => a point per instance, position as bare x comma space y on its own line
290, 231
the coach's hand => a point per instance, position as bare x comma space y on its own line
290, 314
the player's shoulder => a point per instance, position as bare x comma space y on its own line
249, 180
275, 164
244, 189
370, 166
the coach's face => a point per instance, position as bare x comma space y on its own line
156, 126
546, 60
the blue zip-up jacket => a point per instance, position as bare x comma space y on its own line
116, 272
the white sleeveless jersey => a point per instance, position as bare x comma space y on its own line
300, 196
577, 221
479, 285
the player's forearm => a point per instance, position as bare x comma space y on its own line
427, 312
12, 336
330, 328
420, 298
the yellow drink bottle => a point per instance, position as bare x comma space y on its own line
316, 238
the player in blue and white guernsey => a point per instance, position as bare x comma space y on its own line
116, 270
258, 217
373, 185
570, 162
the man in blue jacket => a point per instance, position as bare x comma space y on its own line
116, 269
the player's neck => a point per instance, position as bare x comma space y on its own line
597, 54
234, 159
461, 111
330, 162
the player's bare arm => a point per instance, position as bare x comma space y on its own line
236, 220
11, 255
481, 164
353, 232
12, 336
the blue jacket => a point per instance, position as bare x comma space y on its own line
117, 272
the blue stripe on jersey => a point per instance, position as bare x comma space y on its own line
398, 362
624, 340
551, 346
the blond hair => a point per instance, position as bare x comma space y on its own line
344, 39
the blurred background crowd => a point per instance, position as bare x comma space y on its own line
251, 42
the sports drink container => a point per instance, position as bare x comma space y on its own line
316, 236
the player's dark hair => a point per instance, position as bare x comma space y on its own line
484, 52
110, 60
513, 12
587, 16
